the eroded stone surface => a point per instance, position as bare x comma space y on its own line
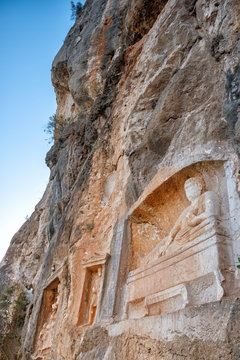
150, 94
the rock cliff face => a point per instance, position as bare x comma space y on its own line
117, 262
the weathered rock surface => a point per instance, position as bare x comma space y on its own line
150, 91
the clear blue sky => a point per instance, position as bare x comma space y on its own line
31, 34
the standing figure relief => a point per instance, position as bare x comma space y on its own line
94, 296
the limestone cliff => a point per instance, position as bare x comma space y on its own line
117, 262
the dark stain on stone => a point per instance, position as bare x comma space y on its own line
215, 51
232, 99
191, 6
143, 16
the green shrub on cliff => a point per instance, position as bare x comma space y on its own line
76, 10
12, 315
55, 127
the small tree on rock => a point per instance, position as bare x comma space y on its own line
76, 10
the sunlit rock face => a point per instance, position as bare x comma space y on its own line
132, 252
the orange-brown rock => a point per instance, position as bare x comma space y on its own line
121, 260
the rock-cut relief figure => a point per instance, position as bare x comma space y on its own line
96, 281
50, 307
92, 279
193, 222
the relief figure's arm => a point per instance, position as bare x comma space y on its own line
161, 248
177, 227
197, 219
174, 231
171, 236
210, 205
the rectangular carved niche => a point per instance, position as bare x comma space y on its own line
93, 268
49, 304
88, 308
180, 245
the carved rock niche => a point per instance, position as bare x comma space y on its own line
93, 275
180, 246
47, 317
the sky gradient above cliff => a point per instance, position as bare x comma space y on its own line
32, 32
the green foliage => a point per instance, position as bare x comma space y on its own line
86, 91
20, 310
76, 10
238, 266
96, 87
90, 226
12, 314
4, 301
55, 127
50, 128
10, 290
95, 146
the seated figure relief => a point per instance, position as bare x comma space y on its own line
192, 222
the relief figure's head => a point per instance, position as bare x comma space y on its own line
193, 188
